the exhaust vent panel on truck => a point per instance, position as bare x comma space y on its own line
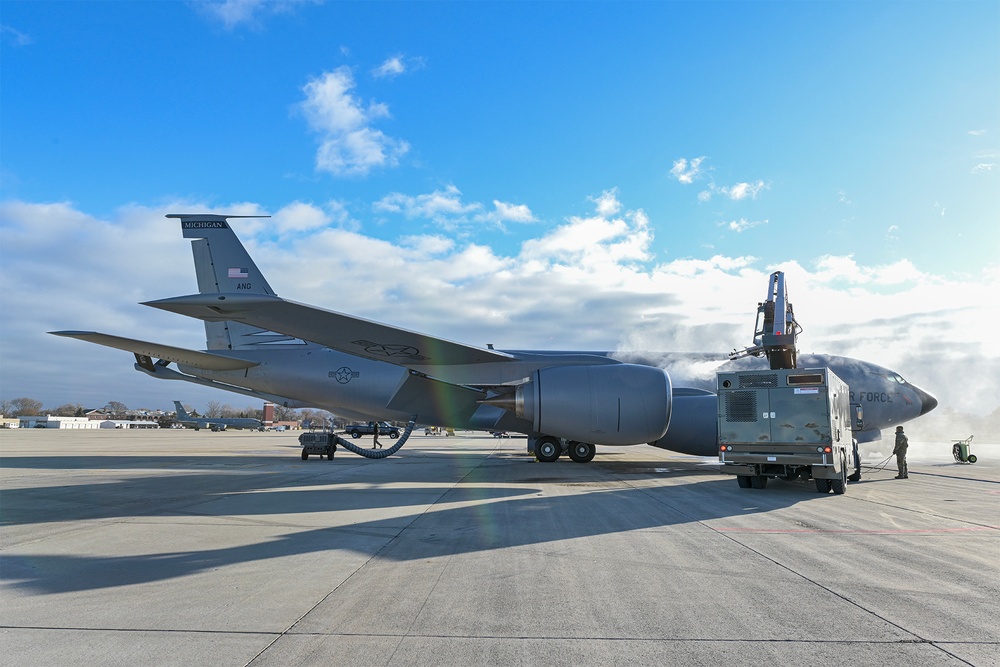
741, 406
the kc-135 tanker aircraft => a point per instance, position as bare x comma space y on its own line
297, 355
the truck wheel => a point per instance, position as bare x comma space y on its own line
823, 485
758, 482
305, 454
743, 481
839, 486
393, 434
355, 434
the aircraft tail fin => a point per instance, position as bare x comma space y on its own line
222, 264
181, 412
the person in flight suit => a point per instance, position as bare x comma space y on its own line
376, 444
900, 451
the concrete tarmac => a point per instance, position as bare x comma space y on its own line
183, 548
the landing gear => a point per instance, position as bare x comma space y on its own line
582, 452
856, 475
547, 449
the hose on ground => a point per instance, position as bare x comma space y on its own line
378, 453
879, 467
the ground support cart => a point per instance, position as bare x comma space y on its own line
960, 450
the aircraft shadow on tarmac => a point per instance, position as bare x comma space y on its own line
470, 517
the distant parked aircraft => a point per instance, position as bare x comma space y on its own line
214, 423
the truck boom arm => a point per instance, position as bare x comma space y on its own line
776, 330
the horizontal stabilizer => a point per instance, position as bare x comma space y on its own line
203, 360
338, 331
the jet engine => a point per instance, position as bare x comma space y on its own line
614, 404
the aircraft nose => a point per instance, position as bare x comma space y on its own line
927, 402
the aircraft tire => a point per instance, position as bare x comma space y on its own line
743, 481
582, 452
823, 485
758, 482
547, 449
856, 458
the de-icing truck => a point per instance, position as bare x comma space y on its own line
787, 423
784, 422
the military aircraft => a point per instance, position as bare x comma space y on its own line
213, 423
296, 355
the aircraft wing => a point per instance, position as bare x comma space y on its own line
346, 333
203, 360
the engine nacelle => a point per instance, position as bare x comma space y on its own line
614, 404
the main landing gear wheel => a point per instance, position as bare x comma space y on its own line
547, 449
856, 475
582, 452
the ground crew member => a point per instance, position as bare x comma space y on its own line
375, 444
900, 451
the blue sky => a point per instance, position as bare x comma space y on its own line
562, 175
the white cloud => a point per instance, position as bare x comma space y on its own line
686, 171
735, 192
446, 209
743, 190
591, 283
349, 145
983, 167
392, 67
397, 65
607, 203
234, 13
743, 224
14, 37
506, 212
